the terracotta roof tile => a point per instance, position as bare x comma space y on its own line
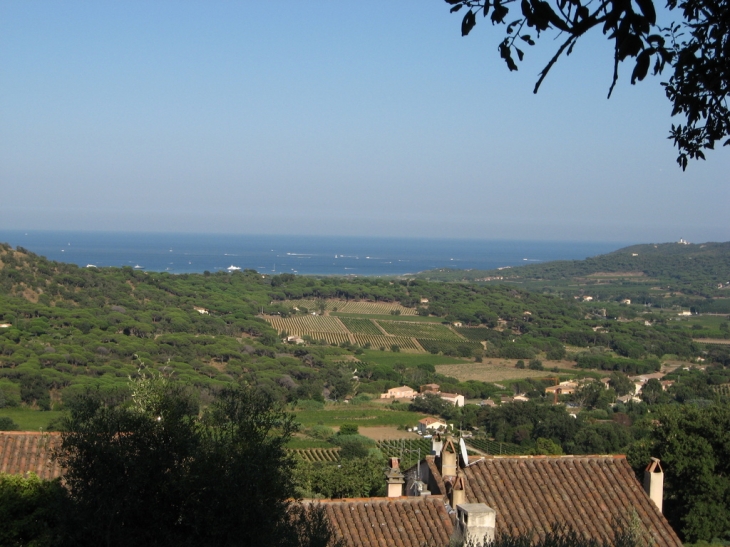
24, 452
390, 522
531, 493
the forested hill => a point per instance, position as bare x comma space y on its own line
65, 328
696, 264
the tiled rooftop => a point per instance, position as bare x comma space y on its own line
531, 493
24, 452
390, 522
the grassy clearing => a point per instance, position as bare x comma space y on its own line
704, 326
30, 420
364, 416
409, 360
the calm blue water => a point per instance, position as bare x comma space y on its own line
188, 253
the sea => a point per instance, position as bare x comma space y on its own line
298, 254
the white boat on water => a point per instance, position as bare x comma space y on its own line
138, 267
232, 268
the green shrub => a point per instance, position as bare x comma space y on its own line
7, 424
348, 429
321, 432
31, 510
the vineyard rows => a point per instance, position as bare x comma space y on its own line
408, 336
361, 326
329, 337
306, 324
419, 330
494, 448
318, 454
375, 308
406, 450
381, 341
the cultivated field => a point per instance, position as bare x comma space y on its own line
419, 330
332, 338
376, 342
375, 308
345, 306
494, 447
491, 370
307, 323
387, 433
317, 454
407, 449
357, 325
409, 336
29, 419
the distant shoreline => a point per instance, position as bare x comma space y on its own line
301, 255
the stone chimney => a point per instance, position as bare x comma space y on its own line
458, 490
475, 522
395, 479
449, 459
654, 482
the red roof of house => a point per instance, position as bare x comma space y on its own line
590, 493
429, 420
24, 452
390, 522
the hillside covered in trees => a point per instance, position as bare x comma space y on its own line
664, 274
67, 327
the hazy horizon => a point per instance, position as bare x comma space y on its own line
368, 119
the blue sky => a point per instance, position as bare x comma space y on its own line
347, 118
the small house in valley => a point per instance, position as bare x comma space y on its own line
403, 392
429, 425
453, 398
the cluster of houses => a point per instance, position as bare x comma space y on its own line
563, 388
450, 494
408, 393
